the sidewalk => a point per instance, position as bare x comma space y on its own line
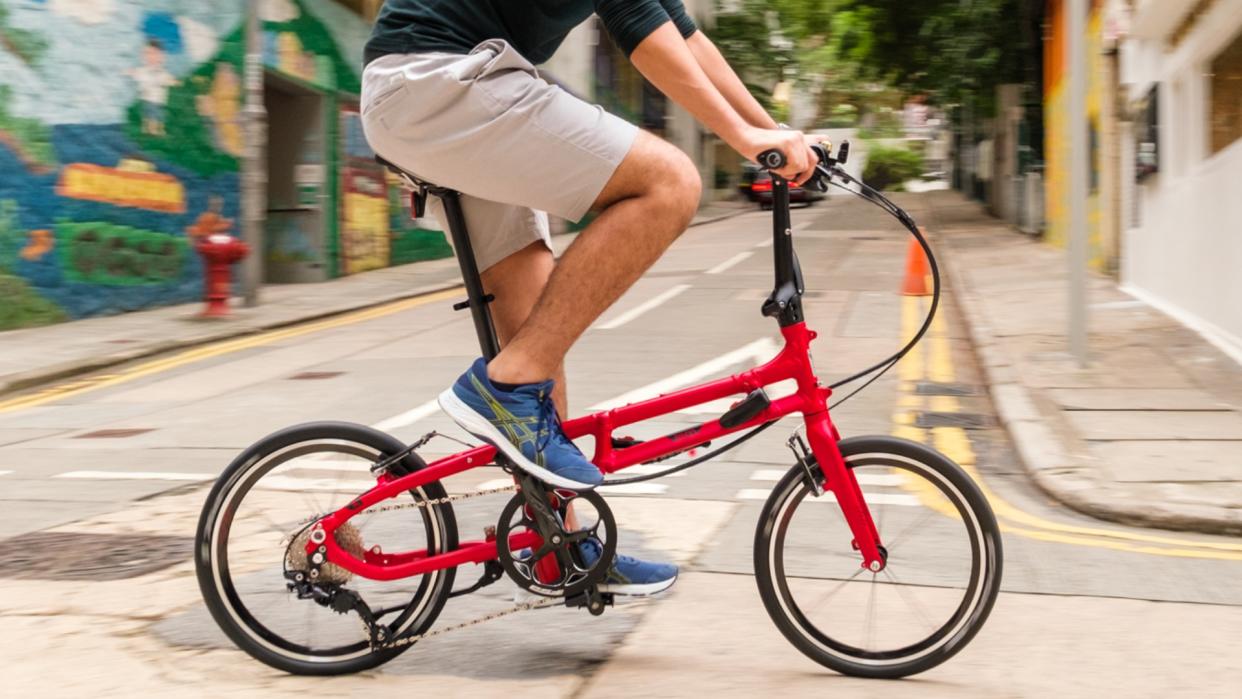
34, 356
1149, 434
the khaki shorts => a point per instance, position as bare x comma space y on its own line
488, 126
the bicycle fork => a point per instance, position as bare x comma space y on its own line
844, 486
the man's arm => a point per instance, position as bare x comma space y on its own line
727, 81
666, 59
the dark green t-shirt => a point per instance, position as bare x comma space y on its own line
534, 27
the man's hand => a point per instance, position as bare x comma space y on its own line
666, 60
800, 159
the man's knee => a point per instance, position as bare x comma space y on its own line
679, 187
659, 173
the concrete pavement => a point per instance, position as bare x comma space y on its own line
1086, 609
1150, 433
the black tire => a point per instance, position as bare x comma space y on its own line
983, 582
217, 586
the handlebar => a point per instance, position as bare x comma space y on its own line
774, 159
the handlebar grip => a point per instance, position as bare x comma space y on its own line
772, 159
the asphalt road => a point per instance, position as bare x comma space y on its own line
1088, 608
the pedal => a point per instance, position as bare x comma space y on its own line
596, 602
747, 410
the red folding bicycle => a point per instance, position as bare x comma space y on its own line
331, 548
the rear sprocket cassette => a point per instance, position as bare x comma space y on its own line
347, 537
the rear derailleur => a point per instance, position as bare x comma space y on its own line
340, 600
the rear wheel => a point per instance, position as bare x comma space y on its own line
942, 573
263, 502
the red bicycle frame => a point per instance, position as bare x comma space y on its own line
792, 363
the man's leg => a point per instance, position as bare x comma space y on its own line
646, 205
517, 281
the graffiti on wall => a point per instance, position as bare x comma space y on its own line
364, 219
120, 139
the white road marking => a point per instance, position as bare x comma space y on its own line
634, 489
269, 482
328, 484
495, 484
324, 462
871, 498
876, 479
767, 243
5, 473
757, 351
730, 263
409, 417
137, 476
642, 308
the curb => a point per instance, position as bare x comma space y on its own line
1056, 467
71, 369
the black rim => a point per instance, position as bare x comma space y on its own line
972, 599
229, 591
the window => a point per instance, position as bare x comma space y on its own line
1226, 96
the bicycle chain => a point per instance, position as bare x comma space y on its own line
408, 640
413, 505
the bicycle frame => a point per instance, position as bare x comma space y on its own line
791, 363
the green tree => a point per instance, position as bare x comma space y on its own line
846, 50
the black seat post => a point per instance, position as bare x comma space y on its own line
477, 299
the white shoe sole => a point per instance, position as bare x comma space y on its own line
632, 590
521, 596
481, 427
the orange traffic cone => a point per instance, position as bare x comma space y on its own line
917, 271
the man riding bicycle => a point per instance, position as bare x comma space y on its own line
451, 93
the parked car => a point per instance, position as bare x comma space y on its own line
760, 191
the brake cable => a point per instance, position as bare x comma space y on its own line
869, 194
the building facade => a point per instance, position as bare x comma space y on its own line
1181, 76
120, 146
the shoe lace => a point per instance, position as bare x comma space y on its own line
549, 422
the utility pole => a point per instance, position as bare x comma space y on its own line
1076, 241
254, 159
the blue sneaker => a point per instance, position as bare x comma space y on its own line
523, 425
628, 575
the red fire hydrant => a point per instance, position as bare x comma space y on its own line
219, 253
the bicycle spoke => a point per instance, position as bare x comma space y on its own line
913, 526
837, 589
910, 601
870, 613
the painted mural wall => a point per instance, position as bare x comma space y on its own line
120, 138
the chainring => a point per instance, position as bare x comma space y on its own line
575, 576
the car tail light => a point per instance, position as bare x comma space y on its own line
761, 186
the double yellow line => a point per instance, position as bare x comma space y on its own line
933, 361
215, 349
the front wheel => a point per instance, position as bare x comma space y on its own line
942, 573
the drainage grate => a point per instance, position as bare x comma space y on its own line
315, 375
969, 421
931, 388
79, 556
115, 434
